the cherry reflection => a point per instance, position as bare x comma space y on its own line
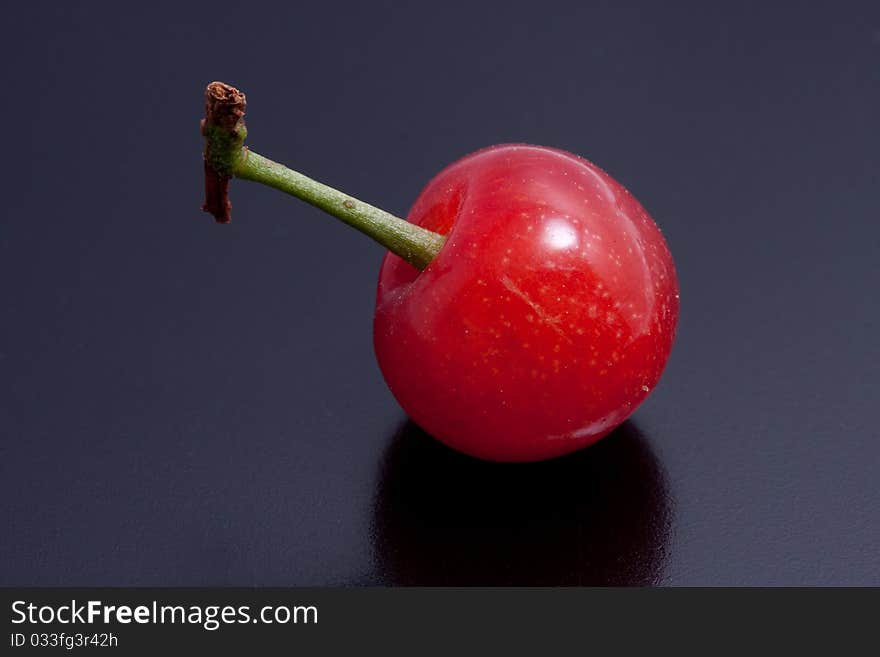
601, 516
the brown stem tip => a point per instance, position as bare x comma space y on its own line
224, 131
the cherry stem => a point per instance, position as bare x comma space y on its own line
226, 157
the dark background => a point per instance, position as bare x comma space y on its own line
188, 404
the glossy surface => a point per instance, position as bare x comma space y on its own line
545, 320
442, 518
183, 404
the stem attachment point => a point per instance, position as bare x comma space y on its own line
224, 131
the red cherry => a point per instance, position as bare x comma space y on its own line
546, 318
531, 304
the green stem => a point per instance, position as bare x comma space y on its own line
414, 244
226, 157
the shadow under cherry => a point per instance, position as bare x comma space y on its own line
601, 516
